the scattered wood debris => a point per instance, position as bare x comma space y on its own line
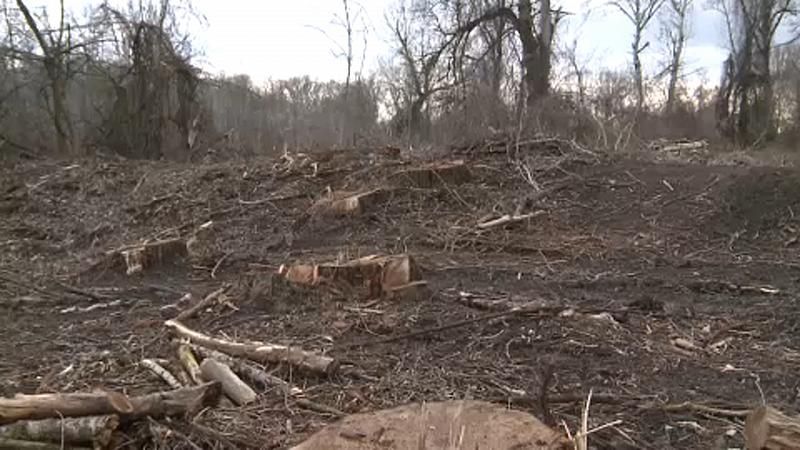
433, 175
260, 351
451, 424
48, 406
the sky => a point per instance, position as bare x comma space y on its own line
278, 39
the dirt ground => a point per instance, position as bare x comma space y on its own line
675, 286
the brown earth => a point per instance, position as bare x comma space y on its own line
681, 279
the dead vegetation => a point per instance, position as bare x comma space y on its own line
246, 316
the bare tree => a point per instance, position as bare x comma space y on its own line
745, 105
640, 13
56, 51
675, 32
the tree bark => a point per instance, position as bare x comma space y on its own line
46, 406
95, 430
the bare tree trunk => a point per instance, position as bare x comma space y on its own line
54, 58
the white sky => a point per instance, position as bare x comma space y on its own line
275, 39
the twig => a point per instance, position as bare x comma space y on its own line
197, 307
318, 407
218, 264
697, 407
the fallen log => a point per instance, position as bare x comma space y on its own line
233, 386
250, 371
767, 428
159, 404
19, 444
260, 351
95, 430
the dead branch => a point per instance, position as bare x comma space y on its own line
318, 407
250, 371
233, 386
95, 430
259, 351
509, 218
161, 372
46, 406
202, 304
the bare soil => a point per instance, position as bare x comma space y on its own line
682, 279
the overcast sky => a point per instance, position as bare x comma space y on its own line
275, 39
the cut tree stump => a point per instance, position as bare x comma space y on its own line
94, 430
260, 351
767, 428
343, 203
380, 275
233, 386
46, 406
140, 257
457, 424
433, 175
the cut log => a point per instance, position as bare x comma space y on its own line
94, 430
233, 386
443, 425
189, 363
260, 351
18, 444
433, 175
767, 428
46, 406
250, 371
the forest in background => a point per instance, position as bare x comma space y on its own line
124, 81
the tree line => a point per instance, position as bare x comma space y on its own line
123, 81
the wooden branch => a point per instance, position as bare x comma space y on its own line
233, 386
260, 351
189, 363
169, 403
250, 371
162, 373
767, 428
508, 218
95, 430
202, 304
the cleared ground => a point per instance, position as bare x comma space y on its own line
658, 284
